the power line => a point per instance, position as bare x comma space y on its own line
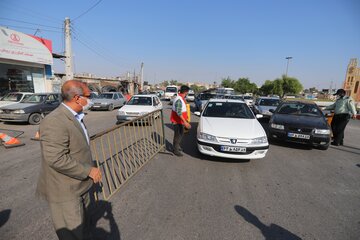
88, 10
37, 24
46, 30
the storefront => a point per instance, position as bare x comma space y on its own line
25, 63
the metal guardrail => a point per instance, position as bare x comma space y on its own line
123, 150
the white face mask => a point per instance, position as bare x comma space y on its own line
87, 106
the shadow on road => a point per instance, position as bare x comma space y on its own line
271, 232
102, 210
340, 148
4, 216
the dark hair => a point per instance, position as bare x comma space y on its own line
184, 89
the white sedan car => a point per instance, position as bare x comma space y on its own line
228, 129
137, 106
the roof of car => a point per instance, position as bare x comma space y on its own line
275, 98
145, 95
299, 101
225, 100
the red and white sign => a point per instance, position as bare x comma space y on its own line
22, 47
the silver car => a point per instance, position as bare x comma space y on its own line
264, 104
108, 101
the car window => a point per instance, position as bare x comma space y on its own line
228, 110
120, 95
12, 97
116, 96
34, 99
299, 109
269, 102
157, 100
106, 95
206, 96
137, 100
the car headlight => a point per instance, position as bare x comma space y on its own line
18, 111
322, 131
207, 137
121, 113
277, 126
259, 140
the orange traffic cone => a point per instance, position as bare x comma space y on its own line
37, 136
9, 142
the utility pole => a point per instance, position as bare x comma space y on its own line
287, 66
68, 53
142, 77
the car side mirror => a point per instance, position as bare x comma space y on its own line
197, 113
271, 110
259, 116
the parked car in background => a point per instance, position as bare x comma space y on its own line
13, 97
228, 129
263, 105
201, 99
235, 97
137, 106
191, 96
248, 99
300, 122
108, 101
32, 109
172, 99
170, 91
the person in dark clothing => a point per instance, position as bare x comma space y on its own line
344, 108
179, 118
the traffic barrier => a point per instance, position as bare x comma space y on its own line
123, 150
36, 137
10, 142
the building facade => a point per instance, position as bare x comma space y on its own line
25, 63
352, 80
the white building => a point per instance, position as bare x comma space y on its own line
25, 62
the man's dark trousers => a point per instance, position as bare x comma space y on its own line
338, 125
178, 135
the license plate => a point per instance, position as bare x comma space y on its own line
95, 106
297, 135
232, 149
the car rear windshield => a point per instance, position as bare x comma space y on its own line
228, 110
248, 97
106, 96
171, 89
12, 97
144, 101
269, 102
206, 96
299, 109
35, 99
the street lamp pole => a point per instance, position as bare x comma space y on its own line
287, 65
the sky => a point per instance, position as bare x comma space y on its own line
199, 40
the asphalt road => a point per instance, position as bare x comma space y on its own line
295, 192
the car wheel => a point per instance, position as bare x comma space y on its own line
35, 119
111, 107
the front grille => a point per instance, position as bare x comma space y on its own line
300, 130
7, 111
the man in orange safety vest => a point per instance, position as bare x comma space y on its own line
179, 119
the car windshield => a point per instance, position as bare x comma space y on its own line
234, 97
12, 97
248, 97
106, 96
206, 96
144, 101
228, 110
171, 89
34, 99
269, 102
299, 109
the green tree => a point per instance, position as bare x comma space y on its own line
165, 83
290, 85
173, 82
267, 88
227, 83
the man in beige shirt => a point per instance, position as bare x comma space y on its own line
344, 108
67, 171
